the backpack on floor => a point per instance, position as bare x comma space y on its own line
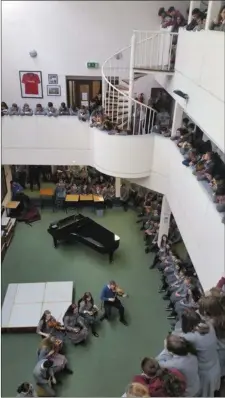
30, 215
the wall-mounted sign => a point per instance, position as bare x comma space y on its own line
92, 65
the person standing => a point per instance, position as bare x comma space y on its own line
110, 300
34, 177
44, 376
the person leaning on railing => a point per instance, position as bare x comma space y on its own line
219, 22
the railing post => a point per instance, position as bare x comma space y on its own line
131, 79
212, 12
103, 92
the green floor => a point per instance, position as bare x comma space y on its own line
105, 365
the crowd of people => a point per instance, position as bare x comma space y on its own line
174, 19
79, 321
192, 362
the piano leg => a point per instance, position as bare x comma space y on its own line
111, 257
55, 243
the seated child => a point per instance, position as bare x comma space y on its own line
51, 111
83, 114
39, 110
4, 109
14, 110
26, 111
63, 110
73, 110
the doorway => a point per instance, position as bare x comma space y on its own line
81, 90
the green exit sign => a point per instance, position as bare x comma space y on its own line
92, 65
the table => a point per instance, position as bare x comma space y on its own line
11, 206
46, 193
98, 198
71, 199
86, 198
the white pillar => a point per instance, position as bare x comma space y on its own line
54, 169
117, 186
212, 12
177, 118
131, 79
164, 219
193, 5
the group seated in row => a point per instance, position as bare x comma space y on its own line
175, 19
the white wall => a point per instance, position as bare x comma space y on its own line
45, 140
66, 35
124, 156
200, 74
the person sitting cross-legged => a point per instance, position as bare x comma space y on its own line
51, 111
110, 299
4, 109
63, 110
14, 110
89, 311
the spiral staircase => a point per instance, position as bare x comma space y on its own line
149, 52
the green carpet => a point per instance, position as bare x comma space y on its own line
105, 365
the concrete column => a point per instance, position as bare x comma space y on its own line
117, 186
177, 118
193, 4
213, 11
54, 169
164, 219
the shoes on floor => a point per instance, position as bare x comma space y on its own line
161, 291
95, 334
166, 297
171, 317
124, 322
68, 371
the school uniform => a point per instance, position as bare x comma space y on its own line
187, 365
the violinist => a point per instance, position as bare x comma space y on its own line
109, 297
49, 349
75, 327
89, 311
48, 325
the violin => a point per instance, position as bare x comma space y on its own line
52, 323
119, 291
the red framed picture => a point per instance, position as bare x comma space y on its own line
31, 84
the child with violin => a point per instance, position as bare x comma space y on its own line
49, 349
74, 324
89, 311
48, 325
109, 297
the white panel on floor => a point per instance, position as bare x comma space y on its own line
57, 309
8, 303
58, 292
25, 315
30, 293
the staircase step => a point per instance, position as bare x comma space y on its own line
148, 69
122, 88
136, 77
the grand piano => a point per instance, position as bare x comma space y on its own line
83, 229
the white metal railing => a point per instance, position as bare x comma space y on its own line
155, 50
148, 50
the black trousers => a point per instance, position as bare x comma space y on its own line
124, 203
34, 179
116, 304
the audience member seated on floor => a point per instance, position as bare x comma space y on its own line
97, 121
63, 110
219, 22
4, 109
203, 338
73, 110
26, 390
124, 196
180, 354
89, 311
184, 126
43, 374
136, 390
83, 114
49, 349
162, 123
161, 382
75, 327
14, 110
200, 23
26, 110
220, 201
166, 20
49, 326
175, 14
195, 15
40, 111
51, 111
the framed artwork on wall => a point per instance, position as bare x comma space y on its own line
52, 79
53, 90
31, 84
